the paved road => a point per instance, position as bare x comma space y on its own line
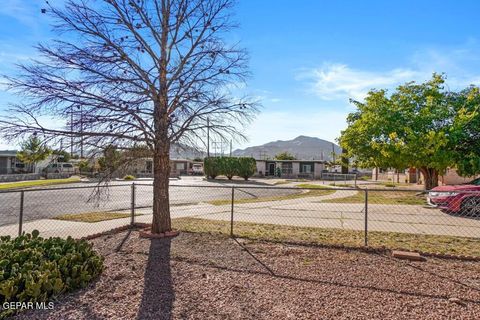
39, 204
301, 212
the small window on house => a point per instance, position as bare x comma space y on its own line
180, 166
306, 168
287, 168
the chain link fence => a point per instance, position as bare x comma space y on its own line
436, 222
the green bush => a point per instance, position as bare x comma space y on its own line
34, 269
228, 166
211, 167
129, 177
246, 167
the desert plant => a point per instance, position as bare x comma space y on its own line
246, 167
34, 269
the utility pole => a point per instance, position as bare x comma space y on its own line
230, 148
208, 137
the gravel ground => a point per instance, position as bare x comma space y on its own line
199, 276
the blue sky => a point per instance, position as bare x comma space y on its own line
309, 57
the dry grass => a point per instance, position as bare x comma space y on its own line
36, 183
308, 193
383, 197
92, 217
323, 236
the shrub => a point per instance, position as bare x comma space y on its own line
211, 167
34, 269
129, 177
246, 167
228, 166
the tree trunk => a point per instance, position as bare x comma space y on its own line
430, 176
161, 174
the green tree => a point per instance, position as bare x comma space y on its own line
62, 155
465, 133
112, 160
32, 151
285, 156
411, 128
246, 167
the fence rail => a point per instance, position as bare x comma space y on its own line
447, 222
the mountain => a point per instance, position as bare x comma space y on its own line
181, 151
302, 147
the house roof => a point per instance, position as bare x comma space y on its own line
8, 153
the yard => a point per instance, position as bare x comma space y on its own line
202, 276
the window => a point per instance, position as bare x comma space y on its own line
180, 166
67, 165
287, 168
306, 168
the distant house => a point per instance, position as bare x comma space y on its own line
9, 162
293, 169
144, 167
413, 175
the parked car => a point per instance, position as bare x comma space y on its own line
60, 167
197, 169
463, 198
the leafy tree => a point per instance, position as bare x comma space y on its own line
111, 161
246, 167
85, 166
136, 72
410, 128
285, 156
62, 155
32, 151
465, 132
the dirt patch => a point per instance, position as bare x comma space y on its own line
201, 276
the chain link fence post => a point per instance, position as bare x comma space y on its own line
20, 220
366, 217
231, 212
132, 217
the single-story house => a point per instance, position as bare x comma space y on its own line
9, 163
413, 175
144, 167
311, 169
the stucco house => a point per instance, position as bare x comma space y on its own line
311, 169
9, 162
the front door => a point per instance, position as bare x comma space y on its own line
271, 169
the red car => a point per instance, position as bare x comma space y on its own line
464, 198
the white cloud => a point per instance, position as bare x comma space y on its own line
339, 81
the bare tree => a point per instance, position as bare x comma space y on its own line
135, 72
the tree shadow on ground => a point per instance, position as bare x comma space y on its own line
158, 294
269, 271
